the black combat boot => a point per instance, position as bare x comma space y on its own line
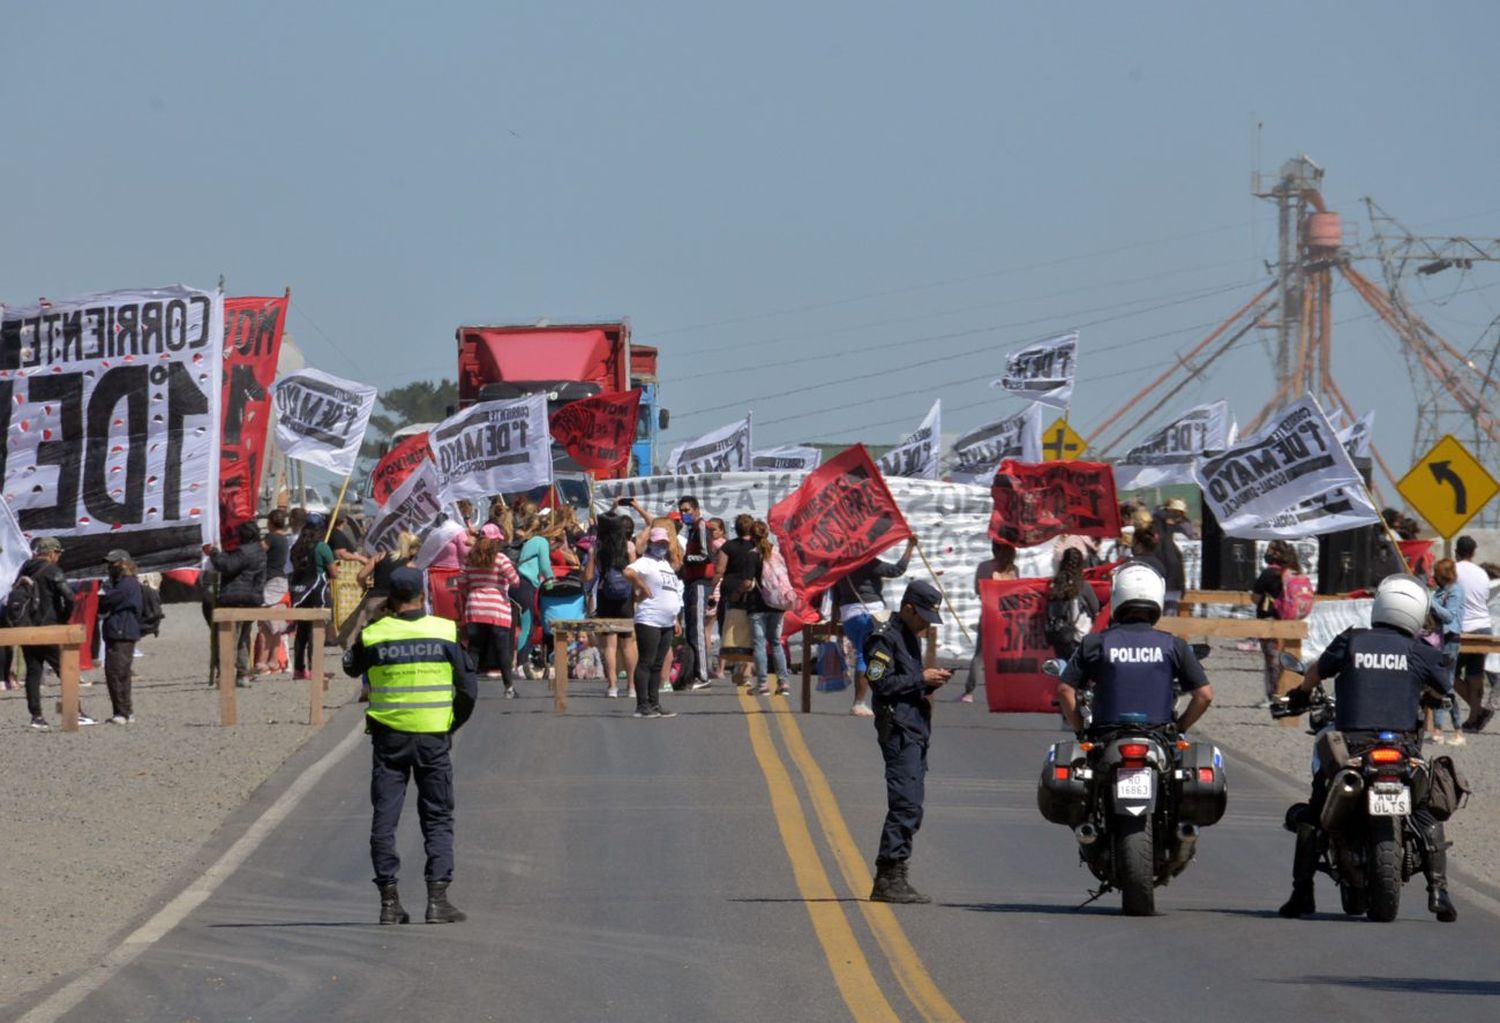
439, 909
1438, 902
891, 885
391, 911
1304, 869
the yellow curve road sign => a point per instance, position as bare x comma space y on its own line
1448, 486
1061, 443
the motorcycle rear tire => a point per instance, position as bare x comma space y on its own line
1135, 865
1353, 900
1383, 875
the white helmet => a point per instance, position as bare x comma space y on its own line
1401, 601
1137, 585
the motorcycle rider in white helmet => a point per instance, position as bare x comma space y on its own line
1380, 674
1134, 668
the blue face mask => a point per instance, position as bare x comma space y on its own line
657, 550
688, 518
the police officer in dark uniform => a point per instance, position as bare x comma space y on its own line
1379, 676
903, 721
422, 688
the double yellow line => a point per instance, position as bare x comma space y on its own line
851, 969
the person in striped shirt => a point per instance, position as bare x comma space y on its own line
484, 587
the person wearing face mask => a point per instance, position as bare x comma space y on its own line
658, 601
121, 603
697, 585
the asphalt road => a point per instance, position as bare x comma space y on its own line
713, 867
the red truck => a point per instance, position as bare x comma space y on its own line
568, 361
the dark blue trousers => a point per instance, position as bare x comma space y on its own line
399, 756
905, 779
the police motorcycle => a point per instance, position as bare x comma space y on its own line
1136, 798
1369, 840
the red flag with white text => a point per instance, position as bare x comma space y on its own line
597, 432
1035, 502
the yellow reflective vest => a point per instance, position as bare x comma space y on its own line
410, 675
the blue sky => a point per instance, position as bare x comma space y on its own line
782, 196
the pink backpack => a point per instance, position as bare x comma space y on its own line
1296, 600
775, 585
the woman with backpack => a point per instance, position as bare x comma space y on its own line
484, 588
312, 567
1072, 605
604, 577
776, 598
1281, 592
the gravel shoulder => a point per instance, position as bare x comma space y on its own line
1247, 731
95, 823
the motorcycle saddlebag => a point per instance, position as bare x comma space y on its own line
1201, 788
1063, 800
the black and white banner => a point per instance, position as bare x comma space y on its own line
1167, 456
494, 447
413, 507
1340, 508
109, 406
1356, 437
726, 449
1043, 371
977, 455
788, 458
14, 549
916, 457
321, 418
1296, 457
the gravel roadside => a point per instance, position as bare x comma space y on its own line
94, 823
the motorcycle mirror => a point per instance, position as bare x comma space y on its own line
1202, 650
1290, 663
1054, 667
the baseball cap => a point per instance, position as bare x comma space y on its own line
46, 545
406, 584
659, 534
116, 556
490, 531
926, 599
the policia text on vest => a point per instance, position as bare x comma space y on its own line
421, 689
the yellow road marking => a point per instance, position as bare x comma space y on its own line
851, 970
910, 971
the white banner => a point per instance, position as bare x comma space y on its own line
916, 457
787, 457
413, 507
1295, 458
976, 456
1167, 456
109, 404
494, 447
1356, 437
321, 418
1043, 371
726, 449
14, 548
1340, 508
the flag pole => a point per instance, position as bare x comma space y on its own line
334, 517
938, 583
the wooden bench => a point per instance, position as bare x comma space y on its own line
1235, 598
562, 631
226, 618
70, 638
1478, 643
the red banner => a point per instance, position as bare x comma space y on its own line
839, 518
252, 343
1419, 556
86, 613
399, 463
442, 592
597, 432
1035, 502
1013, 636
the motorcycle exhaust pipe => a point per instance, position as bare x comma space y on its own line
1086, 834
1343, 798
1182, 855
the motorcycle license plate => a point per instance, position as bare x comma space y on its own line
1134, 783
1392, 803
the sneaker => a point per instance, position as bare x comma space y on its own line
763, 689
643, 713
1458, 740
1436, 738
119, 719
510, 692
613, 692
782, 689
84, 719
966, 698
658, 712
1484, 718
301, 676
700, 683
40, 724
859, 710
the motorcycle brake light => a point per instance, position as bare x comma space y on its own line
1206, 775
1386, 756
1133, 750
1062, 773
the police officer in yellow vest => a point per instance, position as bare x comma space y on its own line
422, 688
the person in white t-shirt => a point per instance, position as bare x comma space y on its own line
1468, 678
658, 593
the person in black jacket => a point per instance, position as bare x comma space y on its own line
860, 596
121, 605
242, 583
53, 605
